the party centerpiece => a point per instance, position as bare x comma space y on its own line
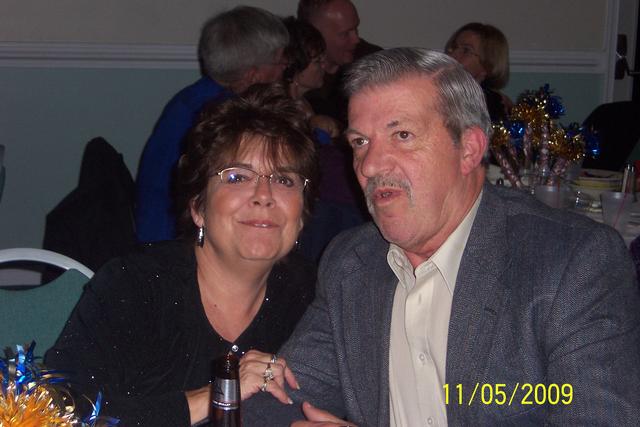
32, 396
532, 148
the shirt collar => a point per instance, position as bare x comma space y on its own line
446, 259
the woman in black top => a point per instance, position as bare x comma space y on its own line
149, 324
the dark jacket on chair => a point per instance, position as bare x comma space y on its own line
94, 223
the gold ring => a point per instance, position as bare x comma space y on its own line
274, 358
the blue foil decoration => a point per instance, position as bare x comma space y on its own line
591, 142
91, 419
516, 129
543, 97
554, 108
21, 369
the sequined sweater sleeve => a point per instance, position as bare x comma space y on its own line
139, 335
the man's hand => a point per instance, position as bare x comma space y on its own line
319, 418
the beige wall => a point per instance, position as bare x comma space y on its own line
540, 24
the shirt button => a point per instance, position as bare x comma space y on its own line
234, 348
429, 420
422, 357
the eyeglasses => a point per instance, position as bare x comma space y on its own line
463, 50
281, 182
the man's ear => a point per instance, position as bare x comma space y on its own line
251, 76
474, 144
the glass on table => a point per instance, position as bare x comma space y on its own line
555, 196
616, 209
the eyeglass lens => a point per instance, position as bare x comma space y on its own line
280, 181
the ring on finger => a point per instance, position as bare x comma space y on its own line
263, 387
274, 358
268, 373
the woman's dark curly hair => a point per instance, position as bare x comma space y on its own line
223, 133
305, 43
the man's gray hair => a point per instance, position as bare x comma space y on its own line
234, 41
461, 104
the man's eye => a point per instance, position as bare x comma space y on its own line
403, 135
358, 142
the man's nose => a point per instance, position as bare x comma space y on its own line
354, 38
373, 161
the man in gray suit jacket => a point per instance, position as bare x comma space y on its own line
465, 304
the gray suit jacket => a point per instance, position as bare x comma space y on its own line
542, 297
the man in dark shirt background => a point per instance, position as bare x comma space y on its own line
337, 21
340, 205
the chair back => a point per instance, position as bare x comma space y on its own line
39, 313
618, 130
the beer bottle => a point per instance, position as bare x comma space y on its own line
225, 392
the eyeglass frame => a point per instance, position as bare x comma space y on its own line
268, 177
466, 50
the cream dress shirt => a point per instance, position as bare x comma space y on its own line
419, 329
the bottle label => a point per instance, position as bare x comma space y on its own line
225, 394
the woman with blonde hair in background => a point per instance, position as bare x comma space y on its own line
483, 51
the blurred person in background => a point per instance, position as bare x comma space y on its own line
483, 51
337, 21
306, 58
237, 49
340, 205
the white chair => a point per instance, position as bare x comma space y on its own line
39, 313
44, 256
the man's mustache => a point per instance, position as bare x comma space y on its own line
386, 182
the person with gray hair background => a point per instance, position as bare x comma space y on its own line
237, 48
465, 304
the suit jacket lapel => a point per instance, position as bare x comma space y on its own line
367, 328
479, 293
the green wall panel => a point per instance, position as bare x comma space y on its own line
580, 93
46, 118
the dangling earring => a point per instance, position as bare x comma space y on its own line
200, 238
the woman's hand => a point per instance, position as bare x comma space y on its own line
255, 367
199, 401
